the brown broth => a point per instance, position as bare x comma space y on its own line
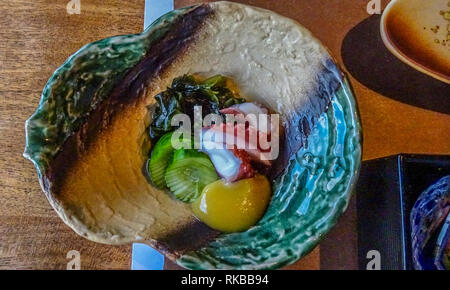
413, 43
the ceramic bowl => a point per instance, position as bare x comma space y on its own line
418, 33
308, 197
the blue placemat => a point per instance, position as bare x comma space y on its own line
154, 9
145, 257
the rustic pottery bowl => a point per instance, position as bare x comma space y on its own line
309, 195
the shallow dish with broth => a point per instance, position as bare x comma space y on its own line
418, 33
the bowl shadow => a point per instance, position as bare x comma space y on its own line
372, 64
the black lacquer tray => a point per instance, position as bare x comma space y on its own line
386, 192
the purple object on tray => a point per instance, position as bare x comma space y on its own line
429, 231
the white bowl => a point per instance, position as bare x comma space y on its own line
416, 32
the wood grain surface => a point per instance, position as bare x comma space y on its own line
37, 36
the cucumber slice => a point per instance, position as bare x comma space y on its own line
188, 173
159, 160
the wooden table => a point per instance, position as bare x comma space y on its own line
37, 36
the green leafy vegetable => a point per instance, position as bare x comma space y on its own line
184, 94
